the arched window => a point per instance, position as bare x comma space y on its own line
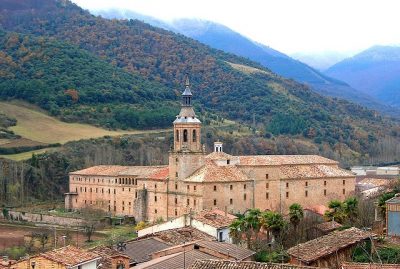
177, 135
194, 136
185, 135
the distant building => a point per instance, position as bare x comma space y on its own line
328, 251
370, 187
194, 180
393, 216
63, 258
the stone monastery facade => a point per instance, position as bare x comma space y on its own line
194, 180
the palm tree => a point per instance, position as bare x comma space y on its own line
351, 208
296, 214
236, 230
274, 222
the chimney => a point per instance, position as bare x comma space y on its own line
217, 146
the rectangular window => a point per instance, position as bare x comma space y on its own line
267, 195
115, 191
306, 194
231, 187
267, 185
176, 186
155, 198
194, 188
244, 197
306, 183
215, 201
188, 201
324, 192
228, 161
344, 182
155, 211
287, 194
155, 186
324, 182
194, 202
215, 188
344, 191
244, 186
287, 184
266, 176
176, 212
231, 201
176, 174
176, 200
188, 187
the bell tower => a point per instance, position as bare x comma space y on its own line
187, 126
187, 154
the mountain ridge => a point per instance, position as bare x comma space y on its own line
276, 105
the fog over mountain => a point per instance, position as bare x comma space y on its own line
375, 71
221, 37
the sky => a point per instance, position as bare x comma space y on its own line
290, 26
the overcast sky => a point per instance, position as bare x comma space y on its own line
289, 26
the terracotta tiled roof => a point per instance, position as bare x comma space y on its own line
394, 200
284, 160
211, 172
219, 155
107, 254
181, 235
353, 265
140, 250
175, 261
70, 256
224, 264
312, 171
374, 182
159, 172
230, 250
215, 218
318, 209
327, 244
328, 226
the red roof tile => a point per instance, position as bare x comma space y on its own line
70, 256
284, 160
353, 265
325, 245
215, 218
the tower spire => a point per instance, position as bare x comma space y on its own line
187, 94
187, 83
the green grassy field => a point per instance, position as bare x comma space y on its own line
35, 125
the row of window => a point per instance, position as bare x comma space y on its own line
124, 181
231, 200
305, 193
306, 183
98, 190
185, 136
230, 187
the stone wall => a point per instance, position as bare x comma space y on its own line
46, 219
141, 205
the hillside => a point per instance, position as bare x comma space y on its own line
77, 86
221, 37
26, 136
151, 55
375, 71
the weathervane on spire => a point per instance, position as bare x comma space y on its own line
187, 83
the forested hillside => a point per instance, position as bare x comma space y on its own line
77, 86
151, 57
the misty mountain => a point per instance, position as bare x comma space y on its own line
375, 71
223, 38
321, 60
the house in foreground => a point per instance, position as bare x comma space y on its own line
393, 216
63, 258
179, 248
328, 251
213, 222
